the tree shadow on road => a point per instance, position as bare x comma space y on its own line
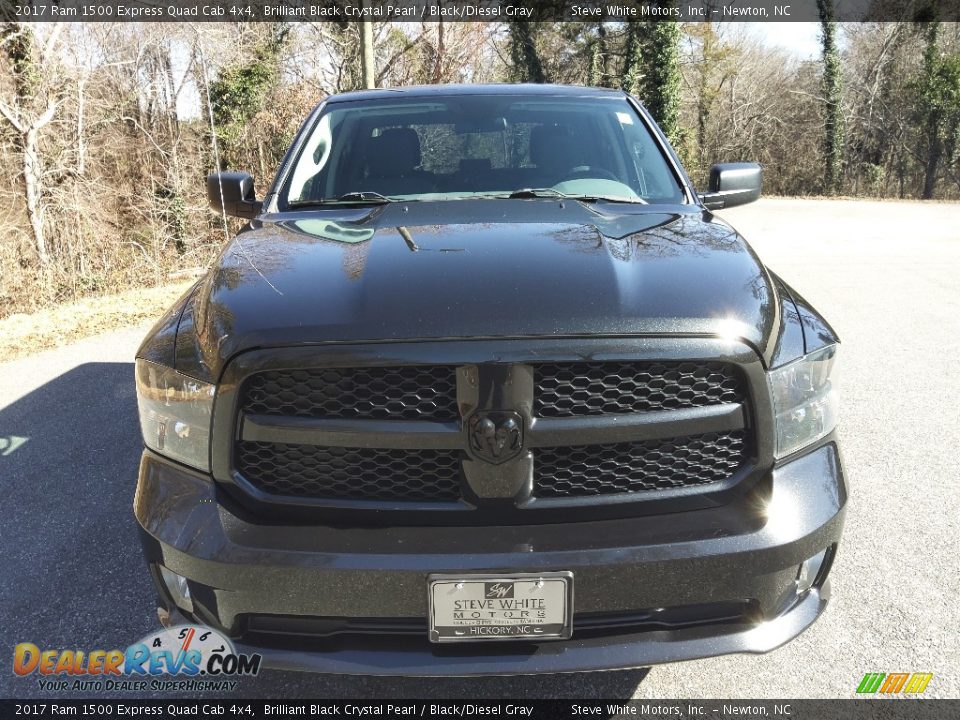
68, 470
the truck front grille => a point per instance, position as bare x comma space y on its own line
599, 388
401, 393
395, 438
637, 467
350, 473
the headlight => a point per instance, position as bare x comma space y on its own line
804, 401
175, 413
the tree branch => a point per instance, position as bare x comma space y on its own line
397, 55
46, 117
8, 113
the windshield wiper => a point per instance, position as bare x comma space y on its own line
550, 192
609, 198
536, 193
365, 196
361, 196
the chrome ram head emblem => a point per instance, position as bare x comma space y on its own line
495, 436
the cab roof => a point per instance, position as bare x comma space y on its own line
477, 89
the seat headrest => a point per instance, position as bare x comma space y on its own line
396, 151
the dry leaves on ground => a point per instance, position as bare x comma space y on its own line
23, 334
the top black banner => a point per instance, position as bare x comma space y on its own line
193, 11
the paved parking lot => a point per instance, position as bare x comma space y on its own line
887, 275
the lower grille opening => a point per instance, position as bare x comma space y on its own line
682, 462
325, 633
309, 471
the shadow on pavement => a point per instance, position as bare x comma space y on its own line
68, 468
74, 575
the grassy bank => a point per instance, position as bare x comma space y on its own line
24, 334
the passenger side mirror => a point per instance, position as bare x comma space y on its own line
232, 192
732, 184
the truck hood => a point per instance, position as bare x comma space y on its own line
480, 268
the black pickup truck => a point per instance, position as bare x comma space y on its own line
484, 387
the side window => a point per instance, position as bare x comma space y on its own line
313, 163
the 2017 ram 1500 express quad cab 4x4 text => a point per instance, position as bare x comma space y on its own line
484, 387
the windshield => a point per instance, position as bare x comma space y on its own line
481, 146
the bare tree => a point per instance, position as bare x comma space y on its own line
32, 110
105, 137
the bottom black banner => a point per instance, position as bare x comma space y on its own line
894, 709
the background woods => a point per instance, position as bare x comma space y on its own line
107, 131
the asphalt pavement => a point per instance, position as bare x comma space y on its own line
887, 276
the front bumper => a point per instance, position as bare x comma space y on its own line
746, 552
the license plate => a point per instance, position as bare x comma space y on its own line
527, 606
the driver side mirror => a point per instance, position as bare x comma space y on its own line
232, 192
732, 184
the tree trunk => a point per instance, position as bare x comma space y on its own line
600, 59
81, 164
631, 62
438, 61
833, 119
705, 95
32, 167
366, 51
933, 109
593, 78
932, 164
652, 70
523, 51
31, 191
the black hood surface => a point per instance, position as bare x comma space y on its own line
481, 268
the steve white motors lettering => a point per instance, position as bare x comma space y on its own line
500, 604
505, 607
